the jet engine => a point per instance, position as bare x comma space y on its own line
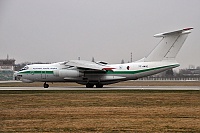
68, 73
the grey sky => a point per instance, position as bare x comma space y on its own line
108, 30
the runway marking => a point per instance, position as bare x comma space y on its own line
107, 88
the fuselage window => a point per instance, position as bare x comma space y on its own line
24, 68
128, 67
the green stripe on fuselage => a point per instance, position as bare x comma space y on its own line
36, 72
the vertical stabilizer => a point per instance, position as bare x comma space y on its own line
169, 46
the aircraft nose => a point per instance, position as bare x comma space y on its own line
17, 76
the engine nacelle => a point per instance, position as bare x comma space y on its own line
68, 73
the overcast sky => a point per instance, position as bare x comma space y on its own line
108, 30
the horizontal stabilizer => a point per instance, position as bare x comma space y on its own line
185, 30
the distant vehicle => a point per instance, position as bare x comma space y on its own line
89, 73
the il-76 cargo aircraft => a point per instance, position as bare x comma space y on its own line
98, 74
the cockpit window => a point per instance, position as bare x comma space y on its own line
24, 68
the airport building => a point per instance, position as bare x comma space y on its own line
7, 69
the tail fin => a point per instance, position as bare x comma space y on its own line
169, 46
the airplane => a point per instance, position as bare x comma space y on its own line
100, 73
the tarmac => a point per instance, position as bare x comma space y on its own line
194, 88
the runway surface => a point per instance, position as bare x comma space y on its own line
107, 88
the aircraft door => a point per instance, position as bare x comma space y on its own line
43, 74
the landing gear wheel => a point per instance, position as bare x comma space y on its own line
99, 86
46, 85
89, 85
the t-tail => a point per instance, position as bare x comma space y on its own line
169, 46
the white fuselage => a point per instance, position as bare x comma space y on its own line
58, 72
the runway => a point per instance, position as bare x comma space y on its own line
107, 88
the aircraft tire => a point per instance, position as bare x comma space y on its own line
46, 85
99, 86
89, 85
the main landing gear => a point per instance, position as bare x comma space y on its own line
87, 85
46, 85
99, 86
92, 85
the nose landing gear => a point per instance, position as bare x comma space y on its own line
46, 85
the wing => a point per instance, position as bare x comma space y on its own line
87, 65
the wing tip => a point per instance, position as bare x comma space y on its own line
190, 28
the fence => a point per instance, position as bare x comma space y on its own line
171, 78
6, 75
